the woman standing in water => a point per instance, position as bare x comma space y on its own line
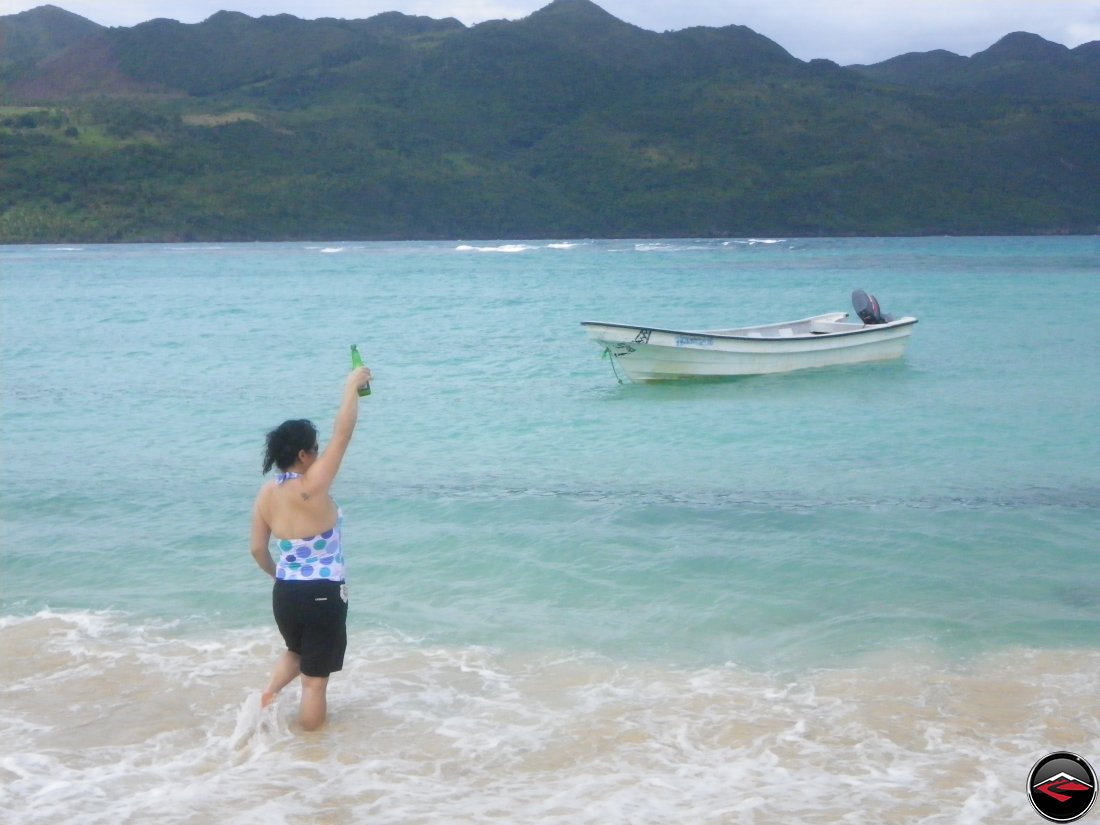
310, 599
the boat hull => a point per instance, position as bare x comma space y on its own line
650, 354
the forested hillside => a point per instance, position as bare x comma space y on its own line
566, 123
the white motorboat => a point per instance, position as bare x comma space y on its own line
655, 354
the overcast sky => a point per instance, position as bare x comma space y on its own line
847, 31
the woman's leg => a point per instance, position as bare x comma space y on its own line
314, 706
286, 670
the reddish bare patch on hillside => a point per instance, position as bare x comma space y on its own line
89, 69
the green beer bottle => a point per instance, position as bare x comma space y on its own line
357, 361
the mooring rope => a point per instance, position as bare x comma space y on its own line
607, 354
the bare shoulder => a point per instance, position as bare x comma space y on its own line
263, 495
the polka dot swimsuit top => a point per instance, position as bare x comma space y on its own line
314, 557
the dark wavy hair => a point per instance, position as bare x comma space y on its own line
287, 440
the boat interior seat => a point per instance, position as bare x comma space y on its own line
786, 332
754, 334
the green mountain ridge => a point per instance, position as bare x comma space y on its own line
34, 35
568, 122
1019, 65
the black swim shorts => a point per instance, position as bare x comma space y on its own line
312, 616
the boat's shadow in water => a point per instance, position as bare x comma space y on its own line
882, 376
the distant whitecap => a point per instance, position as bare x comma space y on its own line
508, 247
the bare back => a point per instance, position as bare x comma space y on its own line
292, 512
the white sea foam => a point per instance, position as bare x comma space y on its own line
692, 245
754, 241
506, 248
116, 723
660, 247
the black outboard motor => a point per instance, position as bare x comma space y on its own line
866, 306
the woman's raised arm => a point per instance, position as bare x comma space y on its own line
318, 478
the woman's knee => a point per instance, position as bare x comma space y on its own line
314, 706
314, 683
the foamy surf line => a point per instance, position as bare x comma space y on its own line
515, 247
503, 248
108, 722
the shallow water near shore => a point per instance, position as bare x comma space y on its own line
855, 594
124, 724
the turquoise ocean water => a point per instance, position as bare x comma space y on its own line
860, 594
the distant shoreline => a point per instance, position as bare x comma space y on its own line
543, 238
